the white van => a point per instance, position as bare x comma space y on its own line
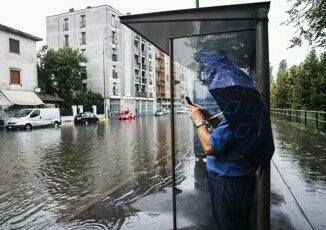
34, 117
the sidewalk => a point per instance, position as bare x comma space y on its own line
154, 210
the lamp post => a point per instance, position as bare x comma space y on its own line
104, 78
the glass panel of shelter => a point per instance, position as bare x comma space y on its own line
193, 200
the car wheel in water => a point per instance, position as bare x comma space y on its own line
56, 124
28, 127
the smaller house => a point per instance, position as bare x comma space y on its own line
18, 70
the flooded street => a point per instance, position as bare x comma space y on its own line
94, 176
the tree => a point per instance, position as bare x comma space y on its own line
303, 86
61, 72
89, 99
309, 17
281, 96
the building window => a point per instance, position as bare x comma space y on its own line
114, 38
114, 72
82, 21
83, 38
14, 46
65, 24
114, 88
114, 54
66, 40
15, 77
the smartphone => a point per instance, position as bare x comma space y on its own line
189, 101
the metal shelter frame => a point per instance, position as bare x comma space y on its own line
161, 28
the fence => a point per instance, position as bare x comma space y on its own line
318, 118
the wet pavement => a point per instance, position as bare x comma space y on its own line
117, 175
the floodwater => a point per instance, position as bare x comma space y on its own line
100, 177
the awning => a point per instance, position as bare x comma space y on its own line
49, 98
17, 97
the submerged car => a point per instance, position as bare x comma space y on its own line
86, 118
161, 112
158, 112
126, 115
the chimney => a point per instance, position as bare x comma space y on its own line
71, 10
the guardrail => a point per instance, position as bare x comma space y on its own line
318, 117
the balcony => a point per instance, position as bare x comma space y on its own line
137, 65
141, 94
144, 81
114, 57
114, 74
137, 80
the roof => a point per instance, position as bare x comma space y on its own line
159, 27
85, 9
19, 33
49, 98
17, 97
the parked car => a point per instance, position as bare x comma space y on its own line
126, 115
30, 118
159, 112
181, 110
85, 118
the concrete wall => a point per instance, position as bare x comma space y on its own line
26, 62
98, 39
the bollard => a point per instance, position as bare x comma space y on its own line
305, 118
94, 108
81, 108
74, 110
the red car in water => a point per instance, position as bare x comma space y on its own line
126, 115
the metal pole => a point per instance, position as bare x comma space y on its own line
197, 3
104, 80
172, 134
262, 72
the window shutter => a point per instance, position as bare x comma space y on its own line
14, 77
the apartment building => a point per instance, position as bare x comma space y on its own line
183, 81
119, 65
18, 68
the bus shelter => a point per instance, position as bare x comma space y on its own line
238, 32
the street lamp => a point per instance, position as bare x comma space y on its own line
104, 78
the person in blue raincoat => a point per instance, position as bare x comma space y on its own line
234, 148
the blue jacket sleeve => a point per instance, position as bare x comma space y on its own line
221, 139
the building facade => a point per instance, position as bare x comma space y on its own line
18, 71
183, 82
18, 60
113, 69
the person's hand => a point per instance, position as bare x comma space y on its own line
206, 114
196, 113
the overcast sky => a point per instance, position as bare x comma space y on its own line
29, 16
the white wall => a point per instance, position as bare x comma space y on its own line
98, 27
26, 62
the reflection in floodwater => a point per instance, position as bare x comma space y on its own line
118, 176
300, 157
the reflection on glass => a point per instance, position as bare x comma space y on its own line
239, 48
